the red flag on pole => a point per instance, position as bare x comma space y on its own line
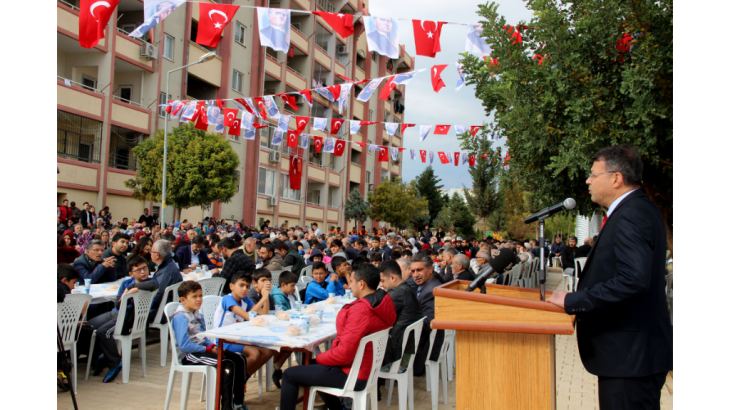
442, 129
335, 125
213, 18
339, 148
318, 143
436, 82
198, 109
472, 160
404, 127
262, 107
202, 123
456, 158
291, 139
219, 103
229, 114
289, 100
383, 155
295, 173
423, 156
301, 124
307, 94
259, 126
442, 156
427, 37
235, 128
387, 89
93, 18
335, 90
340, 22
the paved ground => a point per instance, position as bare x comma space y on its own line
576, 390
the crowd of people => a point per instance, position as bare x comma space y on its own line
391, 275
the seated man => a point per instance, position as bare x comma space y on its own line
118, 250
585, 249
235, 261
291, 257
373, 311
407, 310
90, 265
459, 269
422, 271
272, 260
167, 274
193, 255
321, 286
567, 255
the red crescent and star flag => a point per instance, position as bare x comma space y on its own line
93, 18
340, 22
436, 80
213, 18
427, 36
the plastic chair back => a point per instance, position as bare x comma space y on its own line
287, 268
306, 271
168, 290
208, 308
169, 310
275, 277
212, 286
415, 328
68, 315
444, 346
579, 264
142, 305
380, 342
515, 275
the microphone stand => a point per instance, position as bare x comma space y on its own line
542, 274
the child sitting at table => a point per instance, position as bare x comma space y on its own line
187, 323
342, 269
376, 258
319, 288
283, 297
234, 308
105, 324
316, 256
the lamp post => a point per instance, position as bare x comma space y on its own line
204, 58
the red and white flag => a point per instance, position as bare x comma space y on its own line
318, 143
229, 114
202, 123
335, 125
261, 106
259, 126
235, 128
339, 147
474, 129
340, 22
307, 96
295, 173
291, 139
442, 156
198, 109
436, 82
302, 124
383, 154
213, 18
456, 158
442, 129
388, 88
484, 156
93, 18
427, 36
335, 90
423, 155
404, 127
472, 160
290, 100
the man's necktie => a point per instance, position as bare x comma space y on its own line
605, 217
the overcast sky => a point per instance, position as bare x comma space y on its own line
422, 104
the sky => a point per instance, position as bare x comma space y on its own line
422, 104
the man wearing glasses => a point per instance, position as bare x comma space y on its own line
91, 266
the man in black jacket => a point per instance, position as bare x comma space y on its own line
623, 328
235, 261
291, 257
422, 272
585, 249
146, 218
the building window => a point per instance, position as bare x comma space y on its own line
367, 177
88, 82
370, 152
125, 93
237, 176
315, 157
121, 142
161, 110
266, 181
286, 192
237, 81
78, 137
374, 56
168, 49
240, 34
371, 116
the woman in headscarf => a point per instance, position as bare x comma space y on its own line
65, 251
104, 237
424, 244
82, 240
143, 249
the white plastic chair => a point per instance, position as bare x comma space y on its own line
207, 309
568, 279
142, 305
514, 279
405, 379
162, 327
275, 277
212, 286
451, 357
68, 314
379, 341
209, 372
580, 264
306, 271
432, 369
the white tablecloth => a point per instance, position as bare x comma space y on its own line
107, 292
274, 336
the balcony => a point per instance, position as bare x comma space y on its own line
316, 214
359, 74
295, 80
340, 69
78, 138
333, 216
316, 173
79, 98
358, 110
384, 165
299, 40
67, 22
325, 5
355, 172
273, 68
395, 169
388, 106
131, 114
334, 179
321, 56
121, 142
128, 49
304, 4
353, 4
210, 71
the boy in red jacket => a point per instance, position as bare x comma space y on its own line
372, 312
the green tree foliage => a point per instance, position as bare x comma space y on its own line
515, 209
200, 168
461, 216
483, 200
356, 209
427, 185
444, 219
396, 202
420, 220
567, 90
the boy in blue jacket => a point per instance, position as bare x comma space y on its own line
187, 323
319, 289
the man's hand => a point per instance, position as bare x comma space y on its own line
133, 290
214, 350
266, 289
214, 271
193, 266
557, 298
334, 277
108, 262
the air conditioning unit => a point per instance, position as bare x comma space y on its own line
272, 201
274, 157
342, 50
148, 50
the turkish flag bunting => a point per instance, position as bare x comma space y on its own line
442, 129
235, 127
244, 104
507, 157
261, 106
295, 173
472, 160
369, 122
170, 103
335, 90
307, 94
318, 143
405, 126
213, 18
427, 35
442, 156
93, 17
474, 129
335, 125
339, 147
456, 158
202, 123
229, 114
219, 103
289, 100
436, 80
387, 89
291, 139
342, 23
383, 155
301, 124
423, 155
198, 109
258, 126
362, 144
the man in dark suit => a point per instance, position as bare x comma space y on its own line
422, 273
623, 327
379, 40
584, 249
192, 256
567, 256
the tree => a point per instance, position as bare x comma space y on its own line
395, 202
482, 201
427, 185
516, 210
462, 217
355, 207
444, 220
200, 168
574, 85
420, 220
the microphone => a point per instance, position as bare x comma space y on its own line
550, 210
503, 260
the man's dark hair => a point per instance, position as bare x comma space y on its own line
261, 273
337, 243
67, 271
118, 236
135, 261
241, 275
369, 274
390, 267
214, 240
423, 258
198, 240
337, 261
359, 260
395, 254
362, 242
85, 203
295, 245
281, 245
623, 159
376, 257
286, 278
188, 286
169, 237
407, 253
227, 243
268, 246
319, 265
314, 224
428, 252
73, 203
318, 246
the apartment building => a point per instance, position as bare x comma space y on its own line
108, 96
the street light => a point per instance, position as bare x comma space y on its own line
206, 57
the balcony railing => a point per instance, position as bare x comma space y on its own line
78, 137
124, 100
86, 87
326, 6
65, 3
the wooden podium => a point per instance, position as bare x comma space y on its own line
505, 345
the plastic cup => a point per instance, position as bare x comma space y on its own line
319, 312
348, 293
252, 315
332, 295
297, 305
304, 321
87, 283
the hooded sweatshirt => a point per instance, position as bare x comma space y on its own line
314, 252
187, 325
363, 317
